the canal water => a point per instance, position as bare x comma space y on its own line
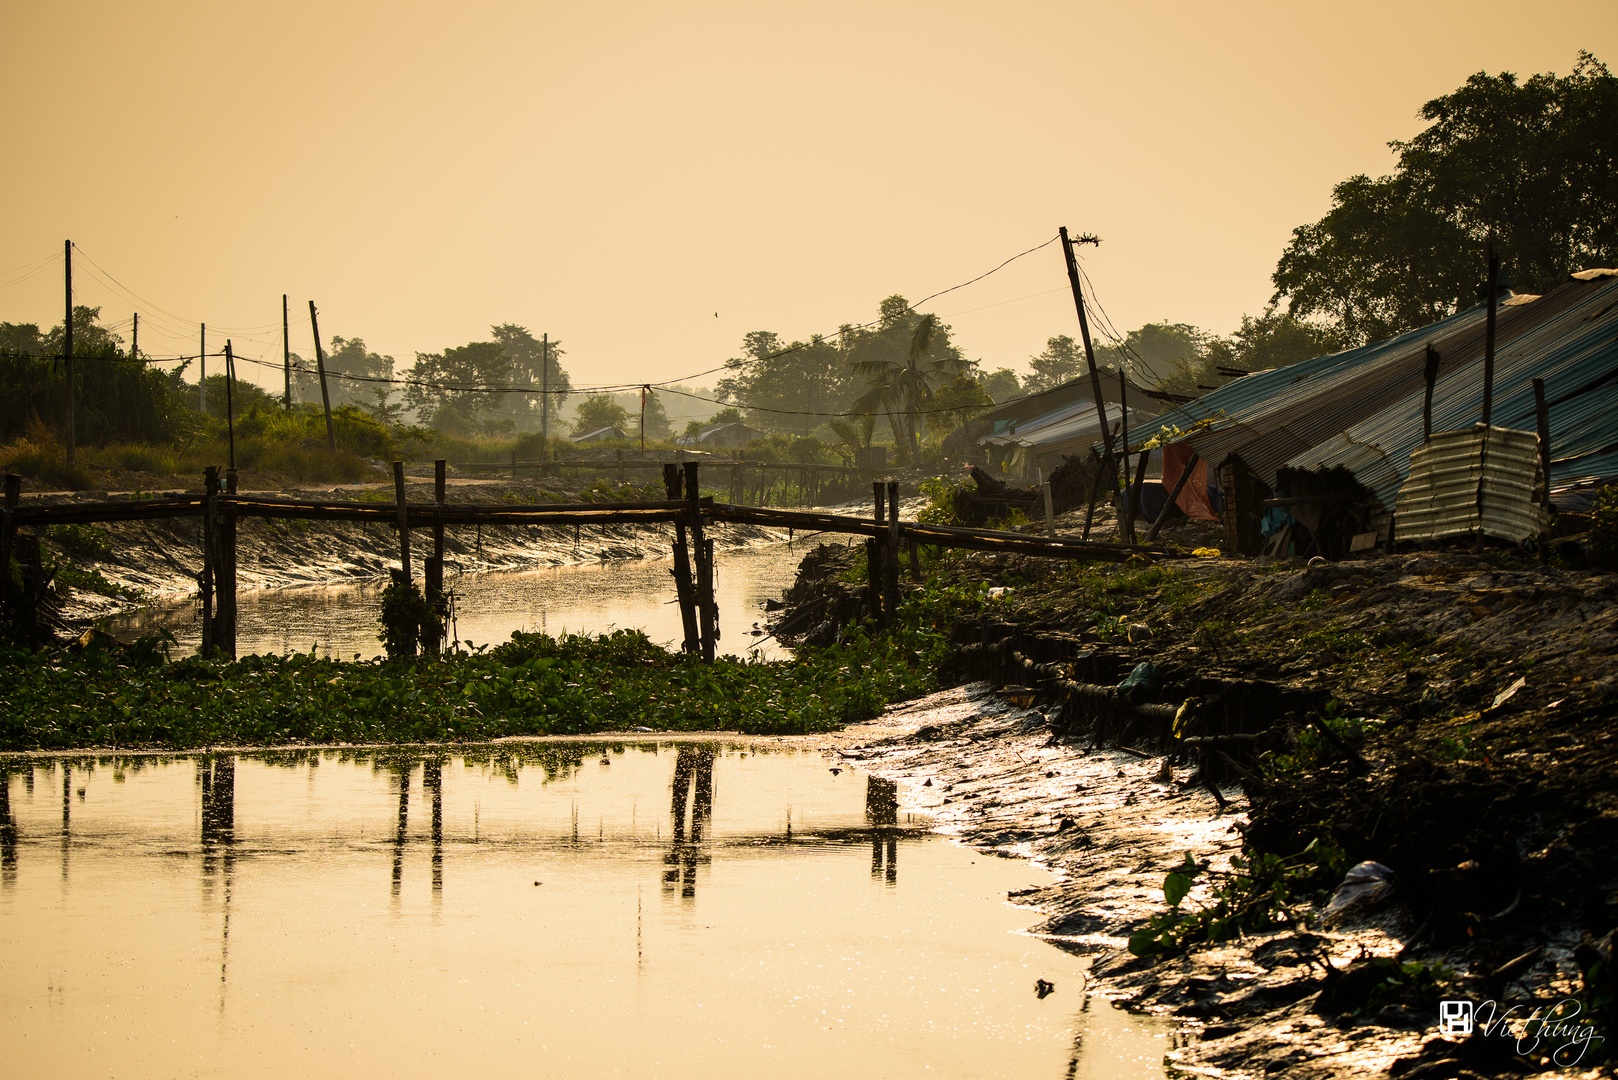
552, 909
342, 620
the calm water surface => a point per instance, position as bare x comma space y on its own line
592, 598
576, 909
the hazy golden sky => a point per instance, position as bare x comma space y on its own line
619, 174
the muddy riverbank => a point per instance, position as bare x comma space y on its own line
1446, 715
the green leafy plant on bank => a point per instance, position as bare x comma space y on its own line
1259, 890
1312, 749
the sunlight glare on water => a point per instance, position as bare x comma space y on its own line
566, 909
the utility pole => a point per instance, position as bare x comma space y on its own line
67, 350
134, 339
320, 365
643, 390
545, 397
202, 372
1089, 352
286, 352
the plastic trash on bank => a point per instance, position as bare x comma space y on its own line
1364, 887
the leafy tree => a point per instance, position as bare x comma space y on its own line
1534, 164
21, 338
1062, 360
657, 419
459, 395
529, 362
244, 396
90, 338
1001, 385
599, 411
789, 387
1276, 339
956, 402
481, 386
346, 356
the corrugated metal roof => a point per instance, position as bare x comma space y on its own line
1361, 410
1464, 481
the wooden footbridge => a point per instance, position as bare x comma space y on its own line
220, 507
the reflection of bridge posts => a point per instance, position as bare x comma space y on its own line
432, 782
882, 811
8, 834
67, 816
693, 779
401, 831
216, 775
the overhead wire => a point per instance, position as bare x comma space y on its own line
163, 322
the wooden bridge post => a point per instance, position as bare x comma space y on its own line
890, 575
8, 529
404, 515
224, 631
707, 611
433, 569
873, 554
205, 582
684, 592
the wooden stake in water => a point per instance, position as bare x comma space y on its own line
404, 519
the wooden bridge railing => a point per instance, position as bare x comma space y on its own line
220, 507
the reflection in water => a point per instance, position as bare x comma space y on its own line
8, 832
882, 811
693, 781
790, 943
432, 781
216, 776
401, 831
67, 816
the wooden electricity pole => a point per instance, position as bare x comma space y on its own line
286, 353
545, 396
320, 366
67, 350
134, 338
202, 372
1107, 462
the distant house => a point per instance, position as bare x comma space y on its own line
1039, 430
601, 434
726, 435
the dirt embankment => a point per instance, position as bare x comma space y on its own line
161, 559
1449, 715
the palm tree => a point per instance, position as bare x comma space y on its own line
902, 388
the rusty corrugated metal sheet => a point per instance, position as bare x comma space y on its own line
1477, 479
1361, 410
